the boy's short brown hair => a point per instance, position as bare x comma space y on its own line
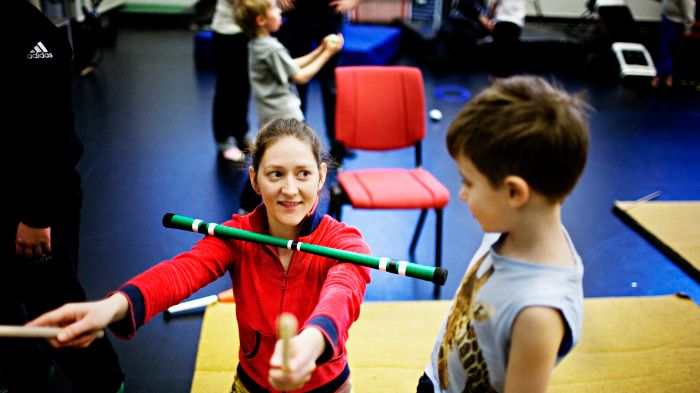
524, 126
245, 12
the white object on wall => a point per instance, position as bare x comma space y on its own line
642, 10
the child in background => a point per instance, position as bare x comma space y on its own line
271, 68
272, 71
325, 296
676, 17
520, 147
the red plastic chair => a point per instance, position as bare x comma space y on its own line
382, 108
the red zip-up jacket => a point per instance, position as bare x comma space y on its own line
319, 291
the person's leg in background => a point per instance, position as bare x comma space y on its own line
506, 49
670, 36
300, 33
25, 364
297, 35
230, 108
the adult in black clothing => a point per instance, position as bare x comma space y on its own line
306, 23
40, 225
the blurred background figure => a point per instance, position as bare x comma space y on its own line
41, 221
467, 22
306, 24
508, 21
676, 17
230, 109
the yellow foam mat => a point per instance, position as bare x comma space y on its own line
634, 344
673, 227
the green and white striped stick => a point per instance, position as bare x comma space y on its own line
438, 275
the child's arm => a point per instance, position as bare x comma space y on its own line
535, 339
303, 61
311, 63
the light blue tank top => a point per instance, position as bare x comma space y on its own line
502, 288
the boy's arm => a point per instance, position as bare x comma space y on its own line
535, 339
306, 73
303, 61
316, 59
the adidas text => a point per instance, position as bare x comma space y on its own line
40, 56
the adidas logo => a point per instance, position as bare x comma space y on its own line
39, 52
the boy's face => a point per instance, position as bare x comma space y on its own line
273, 18
486, 203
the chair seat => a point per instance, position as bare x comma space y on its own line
394, 188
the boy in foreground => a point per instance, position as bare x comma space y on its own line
520, 147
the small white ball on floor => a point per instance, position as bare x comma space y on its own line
435, 115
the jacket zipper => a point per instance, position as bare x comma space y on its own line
284, 289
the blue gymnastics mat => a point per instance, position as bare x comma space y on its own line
369, 44
364, 45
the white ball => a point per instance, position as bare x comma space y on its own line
435, 115
333, 39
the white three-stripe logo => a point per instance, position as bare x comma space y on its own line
38, 48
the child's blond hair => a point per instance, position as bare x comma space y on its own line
246, 13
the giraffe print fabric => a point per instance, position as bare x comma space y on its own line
460, 334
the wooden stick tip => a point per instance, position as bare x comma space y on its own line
286, 325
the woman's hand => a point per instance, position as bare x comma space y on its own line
81, 321
286, 5
304, 349
342, 6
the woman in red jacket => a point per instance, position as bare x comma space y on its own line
324, 295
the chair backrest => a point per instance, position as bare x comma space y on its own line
379, 107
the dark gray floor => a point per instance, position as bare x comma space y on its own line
145, 118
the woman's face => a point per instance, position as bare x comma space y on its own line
289, 180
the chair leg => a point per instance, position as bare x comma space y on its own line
335, 204
333, 207
438, 248
416, 235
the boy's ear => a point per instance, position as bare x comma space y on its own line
260, 20
518, 191
253, 180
